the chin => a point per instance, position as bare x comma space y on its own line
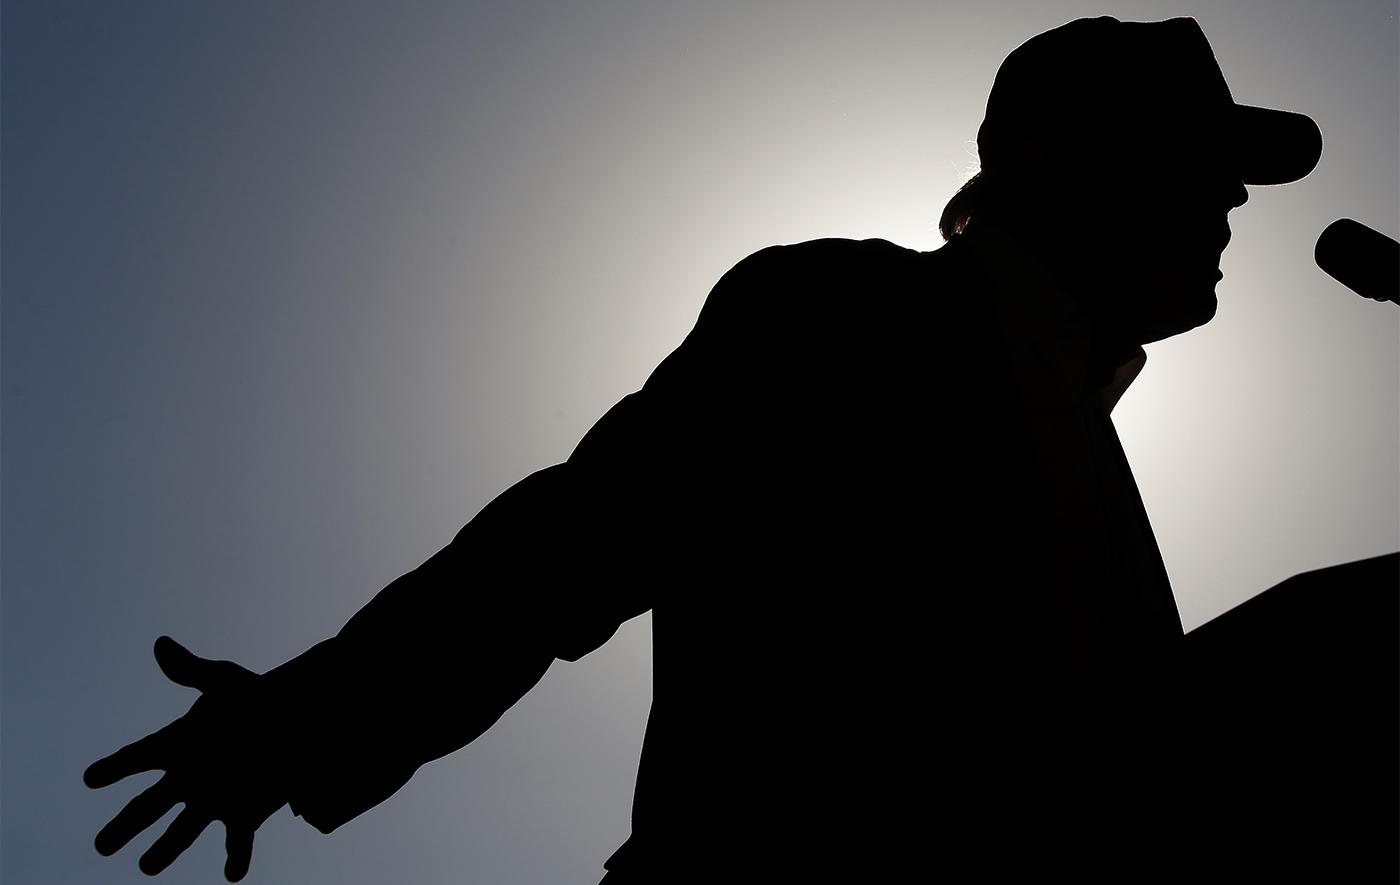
1190, 314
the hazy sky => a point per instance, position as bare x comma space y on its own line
291, 290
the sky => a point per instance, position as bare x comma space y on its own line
292, 289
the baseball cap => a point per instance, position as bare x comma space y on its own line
1138, 91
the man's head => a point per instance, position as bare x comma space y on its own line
1114, 151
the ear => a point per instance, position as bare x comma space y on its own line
1039, 184
1031, 160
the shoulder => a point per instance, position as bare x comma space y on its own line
831, 312
820, 257
808, 279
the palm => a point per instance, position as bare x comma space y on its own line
217, 760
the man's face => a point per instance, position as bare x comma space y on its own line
1163, 237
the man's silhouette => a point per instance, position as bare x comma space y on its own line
908, 611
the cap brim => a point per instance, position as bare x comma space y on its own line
1275, 147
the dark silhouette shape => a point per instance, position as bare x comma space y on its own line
1364, 260
1294, 701
909, 613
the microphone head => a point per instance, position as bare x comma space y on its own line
1366, 261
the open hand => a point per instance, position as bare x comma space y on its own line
220, 759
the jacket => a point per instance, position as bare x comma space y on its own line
888, 622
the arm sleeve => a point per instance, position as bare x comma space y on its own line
548, 569
436, 657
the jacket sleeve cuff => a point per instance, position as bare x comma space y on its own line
343, 760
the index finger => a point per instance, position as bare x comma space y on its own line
137, 756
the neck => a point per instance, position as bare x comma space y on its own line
1084, 280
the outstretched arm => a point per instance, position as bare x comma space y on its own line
440, 654
424, 668
548, 569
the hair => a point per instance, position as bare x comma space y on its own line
969, 200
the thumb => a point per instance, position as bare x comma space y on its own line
184, 667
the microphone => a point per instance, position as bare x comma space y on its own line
1366, 261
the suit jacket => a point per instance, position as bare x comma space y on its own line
890, 631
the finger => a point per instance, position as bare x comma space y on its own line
181, 833
184, 667
147, 808
238, 845
136, 757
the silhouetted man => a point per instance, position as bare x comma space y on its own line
909, 615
